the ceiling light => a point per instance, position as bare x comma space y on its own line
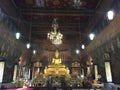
91, 36
54, 36
28, 45
77, 51
40, 3
83, 46
77, 3
34, 51
17, 35
110, 14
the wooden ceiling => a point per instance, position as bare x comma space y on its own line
72, 16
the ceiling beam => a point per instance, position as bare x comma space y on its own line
44, 12
60, 25
70, 32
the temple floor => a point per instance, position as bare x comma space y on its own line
107, 86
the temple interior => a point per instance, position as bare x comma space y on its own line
59, 44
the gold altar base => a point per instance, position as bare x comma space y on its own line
56, 70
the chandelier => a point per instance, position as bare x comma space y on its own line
77, 3
55, 36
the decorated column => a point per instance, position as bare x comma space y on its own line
108, 72
2, 64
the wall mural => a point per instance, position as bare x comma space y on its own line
10, 48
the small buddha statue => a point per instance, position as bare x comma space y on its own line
45, 70
56, 60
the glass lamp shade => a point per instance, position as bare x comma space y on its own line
77, 51
17, 35
28, 45
83, 46
34, 51
91, 36
110, 14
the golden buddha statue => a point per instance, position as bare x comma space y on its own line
56, 68
56, 60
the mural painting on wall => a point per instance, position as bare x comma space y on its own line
88, 72
89, 63
118, 42
107, 47
23, 70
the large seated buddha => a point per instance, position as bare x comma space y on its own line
56, 68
